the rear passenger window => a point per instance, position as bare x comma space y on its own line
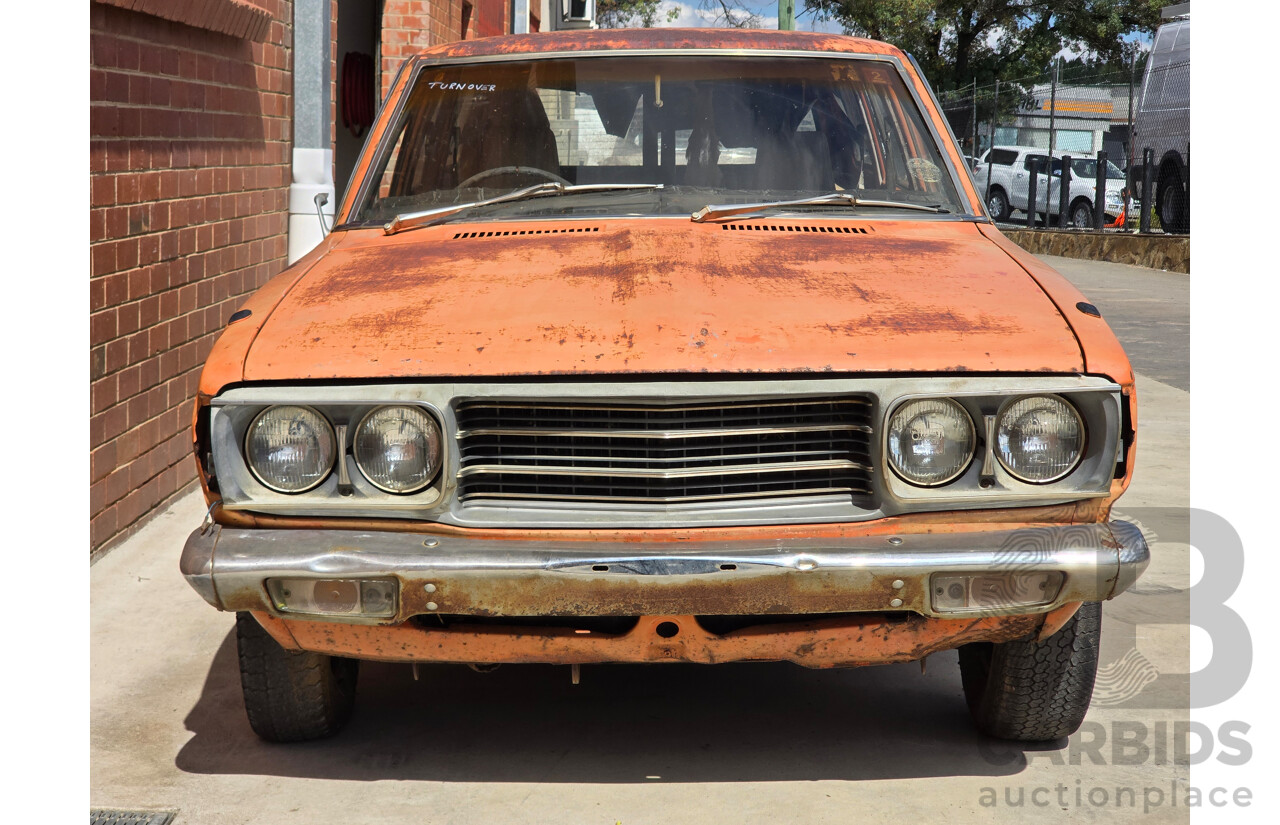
1002, 157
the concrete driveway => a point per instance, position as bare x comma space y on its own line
656, 744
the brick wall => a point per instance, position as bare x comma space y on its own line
190, 149
409, 26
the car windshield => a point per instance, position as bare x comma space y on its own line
708, 129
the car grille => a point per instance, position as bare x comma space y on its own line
651, 453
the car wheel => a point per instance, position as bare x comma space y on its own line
292, 695
998, 204
1082, 213
1172, 203
1034, 691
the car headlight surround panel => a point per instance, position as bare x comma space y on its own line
289, 448
931, 441
1039, 439
398, 448
984, 483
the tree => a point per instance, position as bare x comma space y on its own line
623, 14
956, 41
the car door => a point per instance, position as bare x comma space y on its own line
995, 169
1021, 183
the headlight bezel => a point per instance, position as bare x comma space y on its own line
334, 448
438, 458
985, 483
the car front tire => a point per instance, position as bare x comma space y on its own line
292, 695
998, 204
1082, 213
1033, 691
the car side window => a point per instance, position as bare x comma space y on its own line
1001, 157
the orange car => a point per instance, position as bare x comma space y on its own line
656, 346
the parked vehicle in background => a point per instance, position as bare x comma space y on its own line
1010, 178
1162, 123
783, 394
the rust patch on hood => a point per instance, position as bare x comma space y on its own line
660, 296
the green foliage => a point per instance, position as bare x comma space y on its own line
956, 41
630, 14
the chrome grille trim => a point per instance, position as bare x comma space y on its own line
666, 435
663, 453
824, 491
790, 467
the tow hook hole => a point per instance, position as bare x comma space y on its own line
728, 567
668, 630
600, 568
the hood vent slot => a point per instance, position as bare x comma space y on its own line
784, 227
503, 233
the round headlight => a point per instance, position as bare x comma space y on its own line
1039, 439
290, 449
398, 449
931, 441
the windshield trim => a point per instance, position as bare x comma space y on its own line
415, 66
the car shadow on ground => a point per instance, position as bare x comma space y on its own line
622, 724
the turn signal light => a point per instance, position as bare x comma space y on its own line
334, 597
967, 593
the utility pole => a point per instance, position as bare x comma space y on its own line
1053, 111
1128, 172
991, 136
974, 149
787, 15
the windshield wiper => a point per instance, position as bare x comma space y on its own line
711, 212
414, 220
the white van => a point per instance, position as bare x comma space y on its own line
1163, 124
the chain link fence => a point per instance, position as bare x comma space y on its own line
1081, 148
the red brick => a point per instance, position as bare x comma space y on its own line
102, 258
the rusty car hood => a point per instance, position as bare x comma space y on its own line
663, 296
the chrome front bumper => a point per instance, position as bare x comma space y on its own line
455, 575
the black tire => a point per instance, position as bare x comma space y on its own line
998, 204
1081, 213
1171, 203
290, 695
1034, 691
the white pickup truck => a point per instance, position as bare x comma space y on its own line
1010, 176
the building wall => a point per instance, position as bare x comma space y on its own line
190, 157
409, 26
189, 163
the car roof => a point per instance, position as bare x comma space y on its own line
596, 40
1023, 149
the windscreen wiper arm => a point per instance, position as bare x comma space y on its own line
413, 220
711, 212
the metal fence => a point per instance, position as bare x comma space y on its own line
1105, 150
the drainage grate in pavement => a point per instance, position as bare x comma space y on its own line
100, 817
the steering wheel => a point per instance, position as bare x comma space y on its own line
512, 170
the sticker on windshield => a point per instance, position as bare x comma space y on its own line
924, 170
462, 87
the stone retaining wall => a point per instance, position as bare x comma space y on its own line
1168, 252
